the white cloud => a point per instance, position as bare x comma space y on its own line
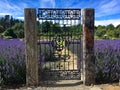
108, 8
10, 8
47, 3
21, 18
115, 22
3, 14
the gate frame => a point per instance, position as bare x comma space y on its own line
88, 62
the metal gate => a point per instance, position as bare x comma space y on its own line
59, 37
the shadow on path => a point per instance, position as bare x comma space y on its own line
61, 83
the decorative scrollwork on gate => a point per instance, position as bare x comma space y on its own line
58, 43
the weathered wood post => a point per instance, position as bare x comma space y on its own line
31, 46
88, 46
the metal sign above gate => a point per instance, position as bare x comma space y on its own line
59, 14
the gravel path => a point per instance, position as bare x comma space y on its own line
67, 85
79, 87
60, 85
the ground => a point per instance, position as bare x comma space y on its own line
67, 85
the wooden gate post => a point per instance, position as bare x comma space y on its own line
30, 26
88, 46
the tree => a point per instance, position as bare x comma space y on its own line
8, 21
9, 33
46, 27
110, 33
5, 22
100, 31
110, 27
117, 31
1, 29
17, 31
118, 27
56, 28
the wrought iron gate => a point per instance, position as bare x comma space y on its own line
59, 37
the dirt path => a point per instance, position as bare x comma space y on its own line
79, 87
68, 85
114, 86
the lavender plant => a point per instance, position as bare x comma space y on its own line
12, 61
107, 60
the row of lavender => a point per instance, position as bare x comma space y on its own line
107, 60
12, 60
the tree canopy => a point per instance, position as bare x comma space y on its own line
14, 28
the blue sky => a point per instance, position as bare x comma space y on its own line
106, 11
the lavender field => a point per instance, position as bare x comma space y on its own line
12, 60
107, 60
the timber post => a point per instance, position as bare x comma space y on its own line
88, 74
31, 46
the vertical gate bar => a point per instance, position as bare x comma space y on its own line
73, 46
70, 42
53, 48
45, 47
53, 45
88, 46
77, 43
76, 49
67, 35
60, 51
80, 47
65, 39
40, 55
52, 51
80, 56
68, 64
42, 45
41, 59
31, 46
50, 46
